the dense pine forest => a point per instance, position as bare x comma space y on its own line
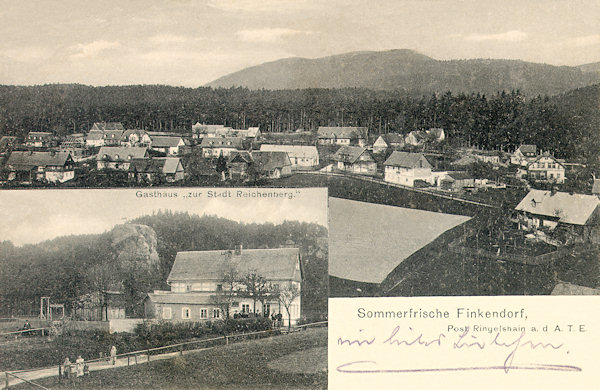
68, 267
565, 124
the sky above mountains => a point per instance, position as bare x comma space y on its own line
190, 43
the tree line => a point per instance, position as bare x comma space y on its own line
501, 120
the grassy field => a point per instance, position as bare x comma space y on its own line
245, 365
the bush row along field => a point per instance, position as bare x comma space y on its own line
241, 365
33, 352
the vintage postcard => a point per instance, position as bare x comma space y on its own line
424, 172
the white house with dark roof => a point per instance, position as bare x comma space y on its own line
169, 145
119, 157
301, 156
524, 155
355, 159
342, 135
149, 169
546, 168
385, 141
196, 279
404, 168
40, 139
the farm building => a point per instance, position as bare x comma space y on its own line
213, 147
237, 164
301, 156
404, 168
135, 137
119, 157
355, 159
342, 135
29, 166
169, 145
196, 281
385, 141
271, 165
40, 139
157, 168
456, 181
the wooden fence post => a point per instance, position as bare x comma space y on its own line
148, 354
226, 340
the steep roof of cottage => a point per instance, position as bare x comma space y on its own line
253, 131
121, 153
349, 154
564, 288
342, 132
561, 162
165, 165
269, 161
165, 141
272, 264
28, 159
95, 135
108, 126
407, 160
528, 149
240, 156
575, 209
303, 151
221, 142
393, 138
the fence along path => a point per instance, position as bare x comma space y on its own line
143, 356
386, 183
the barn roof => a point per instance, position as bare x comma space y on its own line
341, 132
272, 264
269, 161
407, 160
166, 165
28, 159
393, 138
349, 154
574, 209
119, 153
221, 142
302, 151
165, 141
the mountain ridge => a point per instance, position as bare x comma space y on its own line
410, 71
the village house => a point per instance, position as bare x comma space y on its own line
196, 281
385, 141
342, 135
50, 166
135, 137
271, 165
201, 130
95, 138
40, 139
546, 168
213, 147
572, 217
404, 168
456, 181
119, 157
157, 168
355, 159
301, 156
524, 155
252, 134
415, 138
237, 164
171, 146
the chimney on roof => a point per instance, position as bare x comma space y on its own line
238, 249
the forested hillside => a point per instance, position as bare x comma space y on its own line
502, 120
67, 267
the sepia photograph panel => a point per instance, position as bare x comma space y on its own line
164, 288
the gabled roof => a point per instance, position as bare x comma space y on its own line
269, 161
113, 134
564, 288
165, 141
349, 154
253, 131
575, 209
240, 156
342, 132
28, 159
407, 160
164, 165
302, 151
272, 264
545, 156
129, 132
107, 126
221, 142
121, 153
528, 149
95, 135
393, 138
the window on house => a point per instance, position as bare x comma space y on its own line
188, 287
267, 309
166, 313
203, 313
186, 313
245, 308
216, 313
219, 287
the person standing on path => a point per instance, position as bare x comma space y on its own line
67, 368
113, 355
80, 362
